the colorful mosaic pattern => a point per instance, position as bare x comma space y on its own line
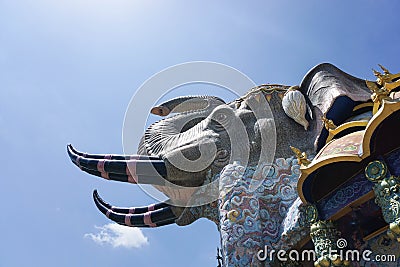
294, 227
251, 220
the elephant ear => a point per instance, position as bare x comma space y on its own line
333, 94
295, 106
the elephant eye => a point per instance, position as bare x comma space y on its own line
221, 119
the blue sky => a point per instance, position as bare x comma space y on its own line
68, 70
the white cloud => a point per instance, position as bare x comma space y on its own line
119, 236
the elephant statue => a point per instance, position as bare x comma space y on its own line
242, 149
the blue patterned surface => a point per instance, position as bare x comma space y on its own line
393, 162
347, 193
260, 213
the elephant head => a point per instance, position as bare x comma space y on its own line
202, 137
191, 147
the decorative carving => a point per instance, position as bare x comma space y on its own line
309, 215
325, 236
301, 156
295, 106
387, 195
329, 125
394, 230
386, 79
378, 94
375, 170
385, 83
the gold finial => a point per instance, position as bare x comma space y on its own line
380, 78
385, 70
384, 84
372, 86
386, 78
377, 74
378, 94
301, 156
391, 81
329, 125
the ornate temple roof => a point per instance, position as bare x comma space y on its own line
345, 157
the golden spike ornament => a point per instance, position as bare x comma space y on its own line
301, 156
385, 83
329, 125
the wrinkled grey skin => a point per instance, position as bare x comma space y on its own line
203, 130
191, 130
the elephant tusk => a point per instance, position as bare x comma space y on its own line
114, 157
160, 111
131, 210
155, 218
128, 170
